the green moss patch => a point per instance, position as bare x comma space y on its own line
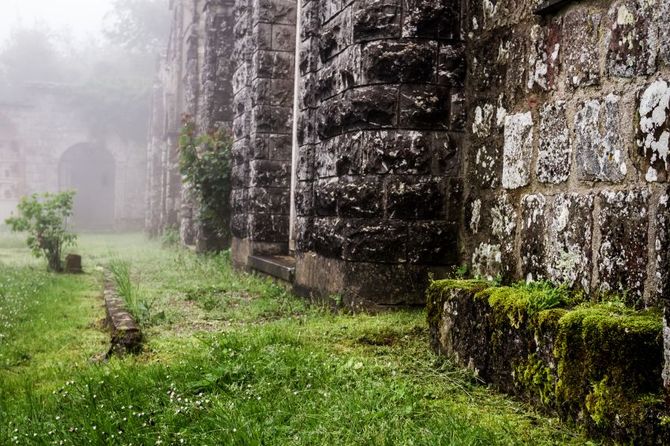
598, 365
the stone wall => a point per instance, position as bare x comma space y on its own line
264, 58
381, 117
194, 82
36, 135
567, 144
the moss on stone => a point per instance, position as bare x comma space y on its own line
536, 377
440, 290
598, 364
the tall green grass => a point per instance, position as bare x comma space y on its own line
137, 301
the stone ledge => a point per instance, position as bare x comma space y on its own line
126, 333
596, 365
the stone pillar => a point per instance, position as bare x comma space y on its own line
263, 100
378, 196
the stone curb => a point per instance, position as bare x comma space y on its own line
126, 333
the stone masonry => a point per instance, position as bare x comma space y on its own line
381, 141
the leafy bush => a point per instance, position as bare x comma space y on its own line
205, 163
44, 217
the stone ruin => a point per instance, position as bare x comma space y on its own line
381, 142
46, 145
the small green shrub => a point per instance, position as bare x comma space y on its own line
44, 217
205, 163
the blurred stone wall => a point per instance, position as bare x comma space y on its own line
38, 131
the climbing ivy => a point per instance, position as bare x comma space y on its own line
205, 163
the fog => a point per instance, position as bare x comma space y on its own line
75, 91
80, 19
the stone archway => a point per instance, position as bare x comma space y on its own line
90, 170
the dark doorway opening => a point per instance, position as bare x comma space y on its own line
90, 171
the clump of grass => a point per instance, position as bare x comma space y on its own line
139, 305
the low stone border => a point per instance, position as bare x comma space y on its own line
126, 333
597, 366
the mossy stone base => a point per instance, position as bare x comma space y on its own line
598, 365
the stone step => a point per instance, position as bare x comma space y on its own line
280, 267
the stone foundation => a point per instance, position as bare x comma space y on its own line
598, 366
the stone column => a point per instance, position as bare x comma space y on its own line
378, 197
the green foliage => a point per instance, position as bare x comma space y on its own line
44, 218
170, 238
205, 164
139, 305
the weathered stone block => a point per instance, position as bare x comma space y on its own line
273, 92
622, 257
380, 241
600, 150
268, 201
654, 130
266, 173
304, 198
451, 67
410, 198
580, 44
554, 156
631, 46
376, 19
270, 119
325, 197
360, 197
518, 150
328, 237
400, 152
433, 243
273, 64
424, 107
389, 61
544, 56
533, 227
569, 239
436, 19
283, 37
268, 228
274, 11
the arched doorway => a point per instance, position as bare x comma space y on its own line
90, 171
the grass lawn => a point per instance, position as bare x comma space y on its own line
230, 359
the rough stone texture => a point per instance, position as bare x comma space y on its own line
599, 148
73, 264
518, 150
632, 40
194, 83
622, 264
379, 143
581, 30
654, 129
554, 156
556, 107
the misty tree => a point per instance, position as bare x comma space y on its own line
109, 82
140, 26
30, 55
